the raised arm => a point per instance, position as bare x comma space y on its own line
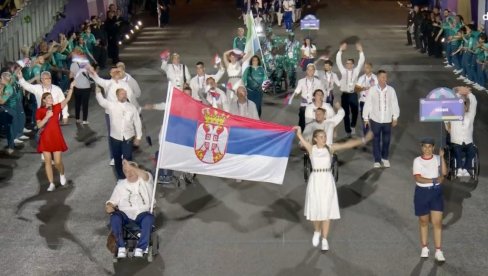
101, 100
352, 143
24, 84
361, 60
303, 141
164, 65
68, 96
341, 67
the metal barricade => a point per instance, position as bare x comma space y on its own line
30, 24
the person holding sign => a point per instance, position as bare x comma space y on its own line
381, 112
429, 171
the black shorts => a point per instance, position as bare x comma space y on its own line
428, 199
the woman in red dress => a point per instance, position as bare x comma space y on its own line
51, 142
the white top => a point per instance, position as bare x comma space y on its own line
133, 198
310, 112
199, 82
38, 90
136, 90
288, 5
366, 81
110, 86
427, 168
234, 70
247, 109
219, 101
462, 131
174, 73
306, 87
80, 75
381, 105
327, 125
328, 80
349, 77
125, 122
309, 51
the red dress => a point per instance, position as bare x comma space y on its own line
51, 138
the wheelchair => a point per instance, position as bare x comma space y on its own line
307, 166
451, 163
131, 234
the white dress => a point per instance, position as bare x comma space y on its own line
321, 201
234, 72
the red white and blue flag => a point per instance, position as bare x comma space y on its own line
200, 139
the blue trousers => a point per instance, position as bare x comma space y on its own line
144, 220
288, 19
448, 48
7, 121
121, 148
107, 121
381, 140
458, 155
19, 123
365, 128
349, 102
480, 75
456, 60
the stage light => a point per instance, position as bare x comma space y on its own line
139, 23
137, 27
132, 31
120, 42
127, 36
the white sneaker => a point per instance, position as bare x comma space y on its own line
17, 141
62, 179
23, 137
85, 123
425, 252
465, 172
459, 173
386, 163
377, 165
316, 239
353, 131
112, 162
467, 81
445, 61
27, 131
460, 78
121, 253
439, 256
51, 187
139, 253
325, 245
457, 72
448, 66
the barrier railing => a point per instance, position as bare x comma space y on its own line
29, 25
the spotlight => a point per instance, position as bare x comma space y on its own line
132, 31
139, 23
120, 42
137, 27
127, 36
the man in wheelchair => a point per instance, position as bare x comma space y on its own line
130, 203
461, 134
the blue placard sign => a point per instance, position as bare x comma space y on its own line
310, 22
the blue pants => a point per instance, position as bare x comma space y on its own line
456, 60
428, 199
288, 19
448, 48
381, 140
107, 121
19, 123
144, 220
7, 121
480, 75
119, 149
365, 128
458, 150
349, 102
466, 63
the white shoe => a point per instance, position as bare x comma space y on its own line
27, 131
112, 162
467, 81
17, 141
465, 172
457, 72
425, 252
439, 256
51, 187
448, 66
325, 245
23, 137
85, 123
459, 173
62, 179
386, 163
139, 253
121, 253
460, 78
353, 131
316, 239
445, 61
377, 165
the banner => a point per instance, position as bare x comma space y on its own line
200, 139
252, 41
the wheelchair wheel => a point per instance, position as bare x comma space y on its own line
476, 165
307, 167
450, 164
150, 254
335, 167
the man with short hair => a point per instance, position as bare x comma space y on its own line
365, 82
198, 82
176, 72
328, 78
306, 87
131, 202
134, 86
349, 78
242, 106
125, 127
318, 102
325, 122
216, 97
381, 112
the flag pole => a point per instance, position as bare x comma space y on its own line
169, 96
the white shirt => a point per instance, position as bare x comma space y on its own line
38, 90
366, 81
125, 122
327, 125
310, 112
133, 198
427, 168
80, 75
247, 109
349, 77
306, 87
110, 86
134, 86
309, 51
199, 82
328, 80
288, 5
462, 131
174, 73
219, 101
381, 105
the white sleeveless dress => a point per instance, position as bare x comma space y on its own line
234, 72
321, 202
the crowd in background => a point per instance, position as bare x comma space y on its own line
8, 9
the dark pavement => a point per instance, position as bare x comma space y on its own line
219, 227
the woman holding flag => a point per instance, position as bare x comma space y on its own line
321, 202
253, 78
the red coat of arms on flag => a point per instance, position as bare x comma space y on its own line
211, 136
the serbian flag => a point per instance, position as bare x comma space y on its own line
199, 139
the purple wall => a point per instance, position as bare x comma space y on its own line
76, 12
